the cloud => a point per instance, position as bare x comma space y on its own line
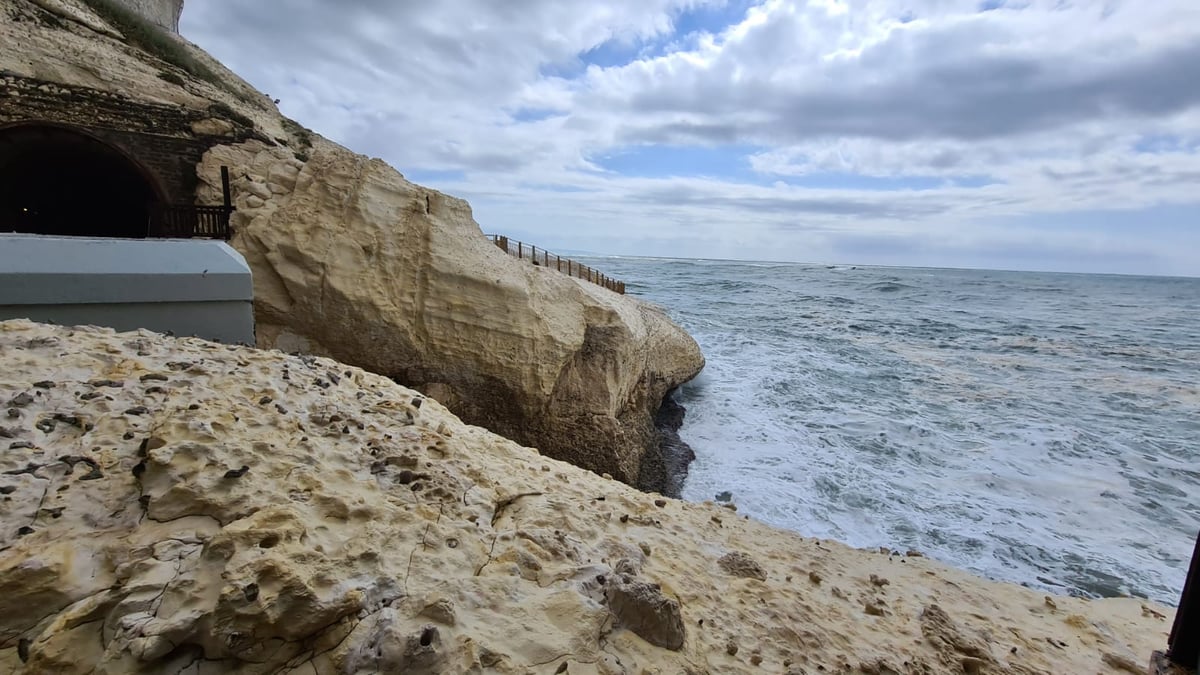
1009, 112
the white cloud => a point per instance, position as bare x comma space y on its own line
1037, 108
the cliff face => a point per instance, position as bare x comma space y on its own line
180, 506
162, 13
352, 261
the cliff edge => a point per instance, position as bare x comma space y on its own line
178, 506
352, 261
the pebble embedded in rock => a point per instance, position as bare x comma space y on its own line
237, 473
45, 384
660, 503
21, 400
739, 564
137, 410
153, 376
731, 648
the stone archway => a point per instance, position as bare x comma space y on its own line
58, 180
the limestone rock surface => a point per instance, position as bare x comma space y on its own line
177, 506
352, 261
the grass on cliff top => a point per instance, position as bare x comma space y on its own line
141, 33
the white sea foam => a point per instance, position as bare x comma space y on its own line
1036, 428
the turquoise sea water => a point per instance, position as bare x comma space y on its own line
1031, 427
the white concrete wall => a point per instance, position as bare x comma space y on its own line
165, 13
184, 286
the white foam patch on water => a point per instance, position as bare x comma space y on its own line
1033, 428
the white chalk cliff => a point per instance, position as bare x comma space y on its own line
352, 261
177, 506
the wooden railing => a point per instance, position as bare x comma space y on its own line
186, 221
189, 221
544, 258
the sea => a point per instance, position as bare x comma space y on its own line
1037, 428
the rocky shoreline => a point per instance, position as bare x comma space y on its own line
173, 505
665, 466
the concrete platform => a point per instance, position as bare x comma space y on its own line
192, 287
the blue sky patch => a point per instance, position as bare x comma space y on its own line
660, 161
848, 181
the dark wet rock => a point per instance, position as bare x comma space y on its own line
665, 464
153, 376
660, 503
237, 473
725, 496
264, 400
21, 400
642, 608
115, 384
417, 401
21, 445
137, 410
45, 384
741, 565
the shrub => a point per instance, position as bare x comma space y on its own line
173, 78
151, 39
220, 109
303, 134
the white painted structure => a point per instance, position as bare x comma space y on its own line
189, 287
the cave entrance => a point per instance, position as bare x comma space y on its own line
57, 181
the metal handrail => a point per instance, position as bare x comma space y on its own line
544, 258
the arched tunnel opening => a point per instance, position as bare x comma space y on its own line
57, 181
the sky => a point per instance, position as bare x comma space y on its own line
1057, 135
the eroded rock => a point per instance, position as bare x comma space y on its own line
642, 608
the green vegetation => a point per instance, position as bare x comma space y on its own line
168, 76
303, 134
220, 109
153, 40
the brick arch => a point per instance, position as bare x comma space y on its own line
63, 180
